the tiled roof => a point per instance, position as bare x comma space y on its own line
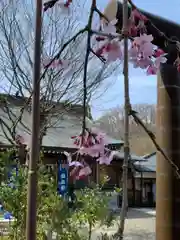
142, 168
134, 158
58, 134
149, 165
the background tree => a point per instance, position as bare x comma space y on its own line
61, 83
113, 123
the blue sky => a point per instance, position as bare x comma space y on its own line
142, 87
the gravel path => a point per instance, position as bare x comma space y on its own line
138, 226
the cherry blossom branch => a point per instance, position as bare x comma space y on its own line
149, 21
153, 139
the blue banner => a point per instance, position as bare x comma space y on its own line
62, 180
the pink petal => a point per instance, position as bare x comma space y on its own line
85, 171
152, 70
158, 52
104, 159
76, 164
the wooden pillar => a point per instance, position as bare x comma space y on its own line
168, 136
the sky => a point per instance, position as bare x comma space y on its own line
142, 87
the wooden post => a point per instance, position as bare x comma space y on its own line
35, 147
168, 134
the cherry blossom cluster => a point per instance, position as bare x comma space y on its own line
142, 53
92, 143
78, 170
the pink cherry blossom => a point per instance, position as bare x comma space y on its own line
76, 164
100, 136
105, 158
84, 172
153, 67
74, 172
112, 51
141, 63
158, 52
79, 171
136, 23
92, 143
143, 45
142, 39
152, 70
133, 53
92, 151
109, 49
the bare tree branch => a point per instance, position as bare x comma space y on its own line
16, 54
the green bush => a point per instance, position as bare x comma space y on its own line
53, 213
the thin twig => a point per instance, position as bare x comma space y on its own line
153, 139
57, 56
28, 100
87, 28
